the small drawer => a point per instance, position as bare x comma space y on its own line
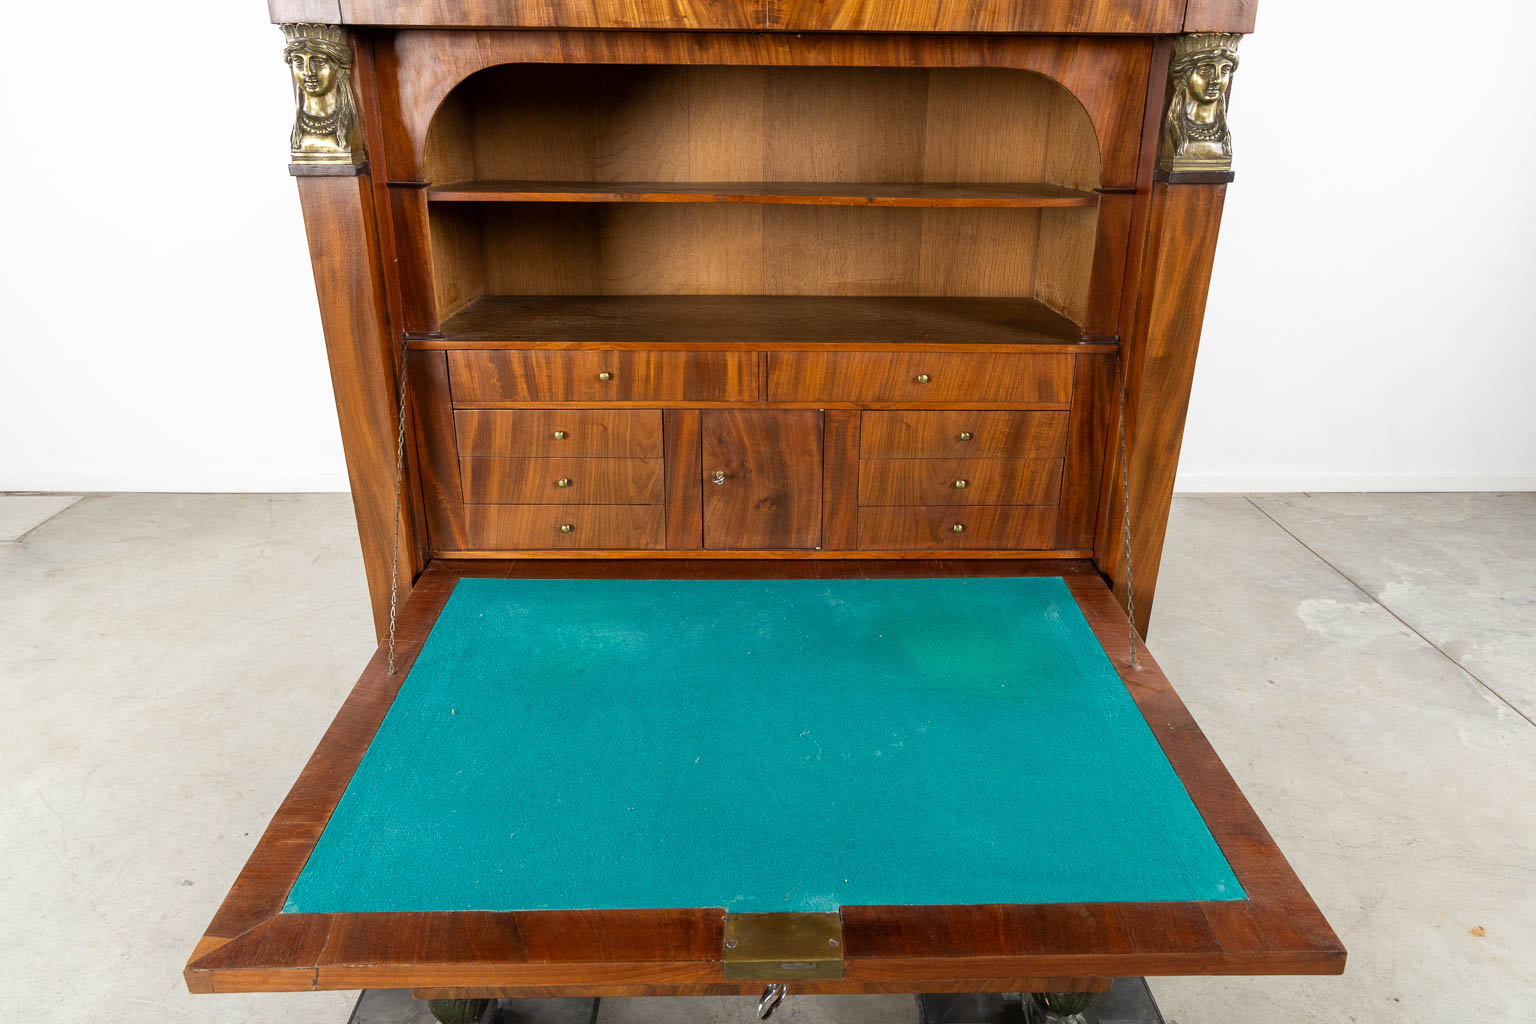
977, 435
959, 481
557, 527
983, 527
559, 433
563, 481
918, 377
544, 375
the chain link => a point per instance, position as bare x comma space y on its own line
1125, 497
394, 566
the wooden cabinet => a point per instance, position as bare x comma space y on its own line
804, 289
762, 479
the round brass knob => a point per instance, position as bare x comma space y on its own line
566, 527
558, 435
966, 435
605, 375
564, 481
959, 527
922, 378
718, 478
960, 484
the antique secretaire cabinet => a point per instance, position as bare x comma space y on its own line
780, 288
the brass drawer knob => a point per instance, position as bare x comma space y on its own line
605, 376
718, 478
558, 435
959, 484
959, 527
966, 435
922, 378
564, 481
566, 527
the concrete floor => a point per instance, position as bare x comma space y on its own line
168, 662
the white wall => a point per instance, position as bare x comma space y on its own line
1368, 324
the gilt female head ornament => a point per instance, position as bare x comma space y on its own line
325, 114
1195, 133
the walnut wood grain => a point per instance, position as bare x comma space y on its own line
1092, 418
933, 481
250, 946
917, 377
788, 193
586, 433
563, 481
1106, 77
925, 528
507, 375
921, 434
560, 527
1073, 16
769, 465
762, 319
437, 450
1160, 362
840, 480
682, 438
350, 286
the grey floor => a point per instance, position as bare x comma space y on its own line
167, 663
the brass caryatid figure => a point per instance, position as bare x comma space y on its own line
325, 118
1195, 135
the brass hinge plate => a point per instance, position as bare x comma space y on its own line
783, 947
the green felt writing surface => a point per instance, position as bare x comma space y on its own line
784, 745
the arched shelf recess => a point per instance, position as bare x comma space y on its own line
589, 203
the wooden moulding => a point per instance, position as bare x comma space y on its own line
1062, 16
251, 946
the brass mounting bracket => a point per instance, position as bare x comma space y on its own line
783, 947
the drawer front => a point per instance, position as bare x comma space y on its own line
563, 481
918, 377
543, 527
960, 481
978, 435
984, 527
559, 433
578, 376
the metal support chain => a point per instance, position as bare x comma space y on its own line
1125, 497
394, 566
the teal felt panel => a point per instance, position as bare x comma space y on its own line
785, 745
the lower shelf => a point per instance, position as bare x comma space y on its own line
694, 320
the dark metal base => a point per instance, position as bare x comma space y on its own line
1128, 1002
395, 1006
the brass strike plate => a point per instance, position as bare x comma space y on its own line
783, 947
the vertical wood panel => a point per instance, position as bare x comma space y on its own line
685, 502
771, 494
339, 222
840, 481
1160, 363
437, 450
1088, 429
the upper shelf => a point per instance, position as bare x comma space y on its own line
708, 321
794, 193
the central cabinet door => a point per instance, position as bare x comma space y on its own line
762, 479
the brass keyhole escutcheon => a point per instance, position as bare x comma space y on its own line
966, 435
922, 378
566, 527
564, 481
962, 484
605, 376
558, 435
959, 527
